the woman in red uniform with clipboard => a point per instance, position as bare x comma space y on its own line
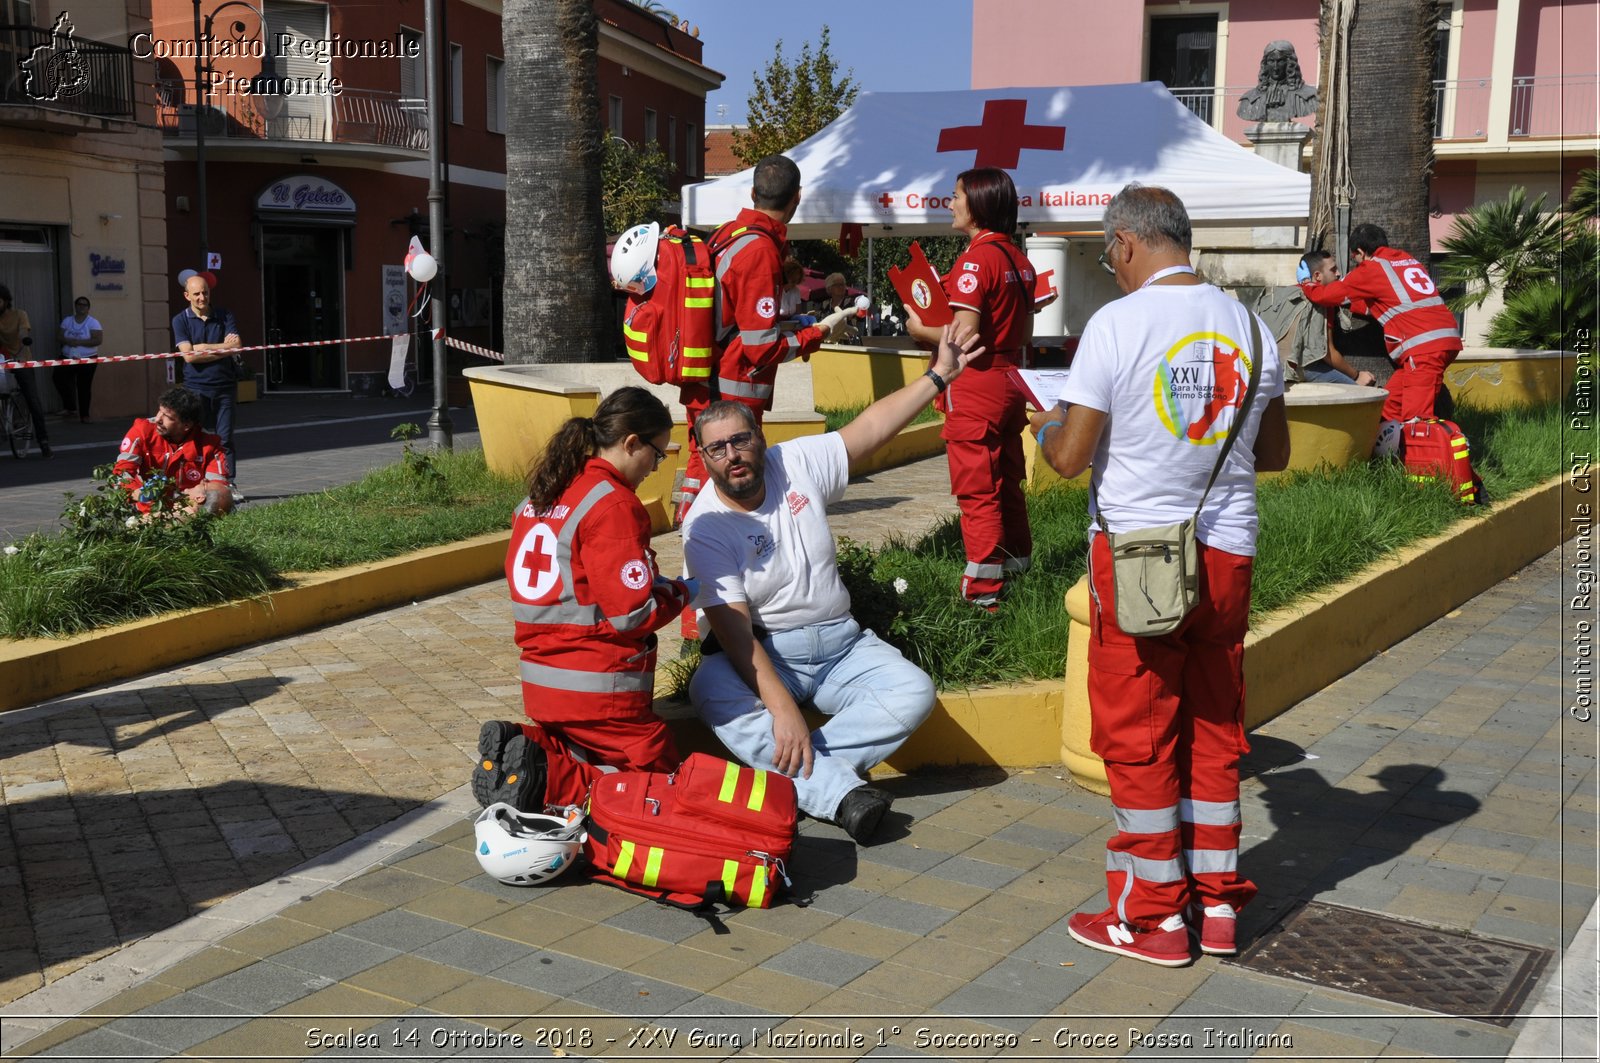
991, 289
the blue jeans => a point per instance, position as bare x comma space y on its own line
216, 415
1320, 372
873, 696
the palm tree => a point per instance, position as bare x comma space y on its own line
1377, 111
1507, 244
557, 296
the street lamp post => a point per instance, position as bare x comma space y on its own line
202, 67
439, 426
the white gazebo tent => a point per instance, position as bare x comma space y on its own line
890, 161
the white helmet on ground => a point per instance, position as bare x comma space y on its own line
633, 259
525, 848
1389, 435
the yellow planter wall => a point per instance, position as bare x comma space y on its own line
1495, 377
843, 377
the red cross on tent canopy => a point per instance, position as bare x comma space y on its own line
1001, 136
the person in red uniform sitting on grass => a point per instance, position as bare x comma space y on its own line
1419, 331
169, 457
587, 598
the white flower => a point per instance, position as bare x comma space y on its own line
12, 550
900, 585
131, 522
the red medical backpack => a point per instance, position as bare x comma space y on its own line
712, 831
669, 330
1436, 449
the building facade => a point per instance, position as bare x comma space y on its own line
302, 198
1516, 80
81, 165
312, 193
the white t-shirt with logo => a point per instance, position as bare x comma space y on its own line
1168, 363
779, 559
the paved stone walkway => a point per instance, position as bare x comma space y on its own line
1441, 782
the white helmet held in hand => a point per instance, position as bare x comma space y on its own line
525, 848
633, 259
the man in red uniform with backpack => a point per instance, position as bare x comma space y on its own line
749, 252
1419, 331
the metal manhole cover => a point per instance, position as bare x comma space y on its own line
1404, 963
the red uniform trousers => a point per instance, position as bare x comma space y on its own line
1167, 716
984, 418
628, 743
1415, 384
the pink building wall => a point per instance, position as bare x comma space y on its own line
1056, 42
1555, 47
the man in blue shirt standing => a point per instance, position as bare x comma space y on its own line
207, 337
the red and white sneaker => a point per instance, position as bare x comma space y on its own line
1216, 927
1167, 945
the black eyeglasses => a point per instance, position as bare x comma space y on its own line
661, 455
1104, 263
740, 441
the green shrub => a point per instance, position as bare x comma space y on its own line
111, 564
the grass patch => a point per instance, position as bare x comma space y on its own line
837, 417
104, 570
1316, 530
388, 512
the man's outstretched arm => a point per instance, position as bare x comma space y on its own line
878, 423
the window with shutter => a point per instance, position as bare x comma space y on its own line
304, 117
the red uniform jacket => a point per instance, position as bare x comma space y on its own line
198, 459
586, 599
749, 287
1395, 288
994, 280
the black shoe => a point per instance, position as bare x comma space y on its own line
510, 768
861, 812
44, 449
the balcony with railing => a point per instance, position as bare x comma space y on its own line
51, 79
1555, 105
353, 116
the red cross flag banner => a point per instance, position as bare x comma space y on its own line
919, 287
889, 162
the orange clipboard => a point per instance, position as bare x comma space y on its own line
919, 289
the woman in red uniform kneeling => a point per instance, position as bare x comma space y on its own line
990, 288
587, 599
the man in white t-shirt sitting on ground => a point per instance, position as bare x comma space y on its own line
1158, 380
779, 615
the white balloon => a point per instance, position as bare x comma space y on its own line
862, 302
423, 268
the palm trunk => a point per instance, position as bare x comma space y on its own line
1381, 117
1389, 103
557, 298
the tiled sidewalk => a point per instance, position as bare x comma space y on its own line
1441, 782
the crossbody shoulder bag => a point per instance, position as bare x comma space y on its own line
1156, 571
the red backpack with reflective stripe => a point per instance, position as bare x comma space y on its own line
1436, 449
712, 831
668, 331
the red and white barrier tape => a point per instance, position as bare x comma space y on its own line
45, 362
472, 348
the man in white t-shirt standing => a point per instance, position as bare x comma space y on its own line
779, 615
1159, 377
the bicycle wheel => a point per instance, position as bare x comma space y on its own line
18, 427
